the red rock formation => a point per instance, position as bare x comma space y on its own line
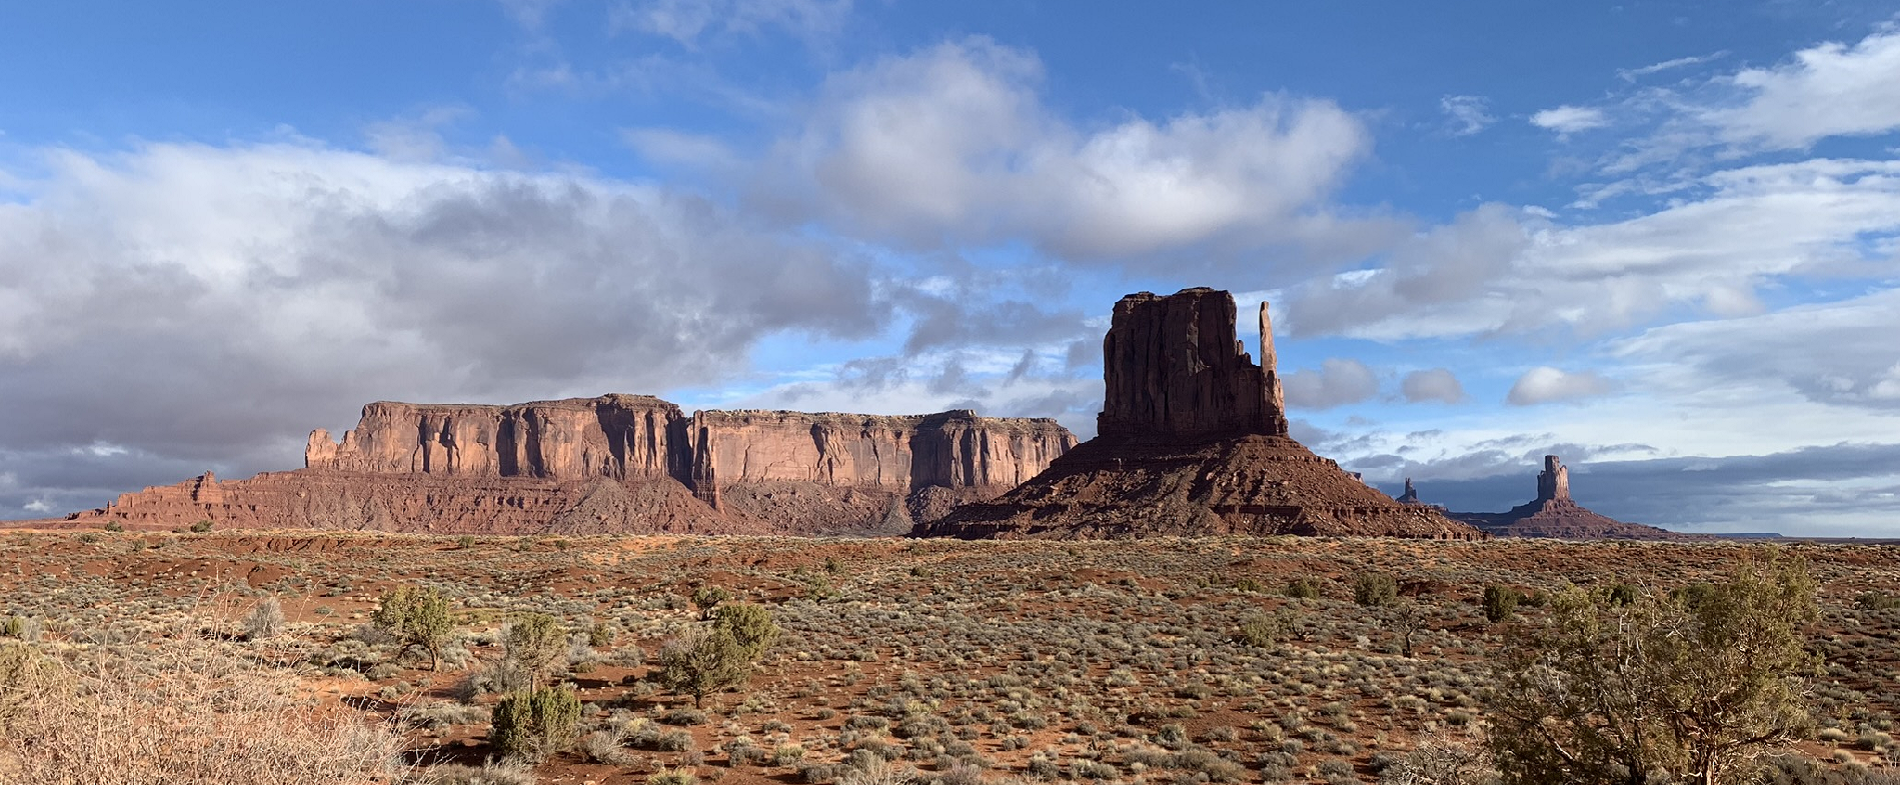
617, 436
865, 465
1193, 441
1554, 514
617, 463
1173, 367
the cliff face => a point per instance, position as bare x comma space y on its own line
618, 463
1193, 442
615, 436
955, 449
1173, 367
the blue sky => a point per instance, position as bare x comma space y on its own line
1660, 239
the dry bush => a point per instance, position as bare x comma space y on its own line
186, 711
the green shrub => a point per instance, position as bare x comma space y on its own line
115, 527
416, 618
533, 725
1259, 630
1302, 589
1375, 589
201, 527
1500, 602
1876, 601
707, 599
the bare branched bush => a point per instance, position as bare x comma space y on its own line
266, 620
187, 711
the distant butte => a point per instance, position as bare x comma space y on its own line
1554, 514
1192, 441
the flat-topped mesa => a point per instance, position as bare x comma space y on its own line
1174, 368
619, 437
1553, 483
954, 449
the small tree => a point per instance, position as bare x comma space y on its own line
416, 618
700, 662
1500, 602
707, 599
703, 661
1609, 691
1375, 589
201, 527
1406, 619
537, 643
535, 724
751, 626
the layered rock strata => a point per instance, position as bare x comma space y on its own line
618, 463
1554, 514
1193, 441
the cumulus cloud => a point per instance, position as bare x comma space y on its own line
1432, 385
208, 305
1468, 114
1338, 382
953, 145
1831, 89
1569, 119
1545, 384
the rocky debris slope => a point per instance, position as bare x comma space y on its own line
1193, 442
1554, 514
617, 463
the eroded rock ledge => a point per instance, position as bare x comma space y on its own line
618, 463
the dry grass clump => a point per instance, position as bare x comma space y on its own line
175, 712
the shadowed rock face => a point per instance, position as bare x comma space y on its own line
1193, 441
1174, 367
1554, 514
619, 463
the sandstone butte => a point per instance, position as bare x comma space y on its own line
1192, 440
1554, 514
616, 464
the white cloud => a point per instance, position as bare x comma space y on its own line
249, 293
1338, 382
953, 146
1841, 354
1438, 385
1469, 114
1826, 90
1632, 74
1545, 384
689, 21
1501, 271
1568, 119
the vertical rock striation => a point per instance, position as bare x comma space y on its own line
619, 463
1173, 367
